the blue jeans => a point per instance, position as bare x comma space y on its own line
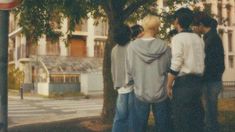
161, 113
211, 91
123, 120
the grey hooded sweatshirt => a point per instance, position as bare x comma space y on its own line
147, 64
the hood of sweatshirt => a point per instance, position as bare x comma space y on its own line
149, 50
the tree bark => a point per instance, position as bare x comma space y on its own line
110, 94
4, 18
116, 16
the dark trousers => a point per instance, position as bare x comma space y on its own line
186, 104
210, 95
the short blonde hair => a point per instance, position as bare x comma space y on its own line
151, 22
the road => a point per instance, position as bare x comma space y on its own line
41, 110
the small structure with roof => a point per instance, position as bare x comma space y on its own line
60, 74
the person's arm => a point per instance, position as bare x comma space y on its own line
112, 65
170, 81
129, 78
176, 64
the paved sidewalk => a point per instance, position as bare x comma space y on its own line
40, 110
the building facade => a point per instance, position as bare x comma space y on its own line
87, 41
59, 62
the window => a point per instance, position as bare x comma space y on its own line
230, 41
228, 7
52, 47
56, 79
101, 29
81, 26
231, 61
31, 47
64, 79
77, 46
99, 48
220, 18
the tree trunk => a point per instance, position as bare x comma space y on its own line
110, 94
4, 18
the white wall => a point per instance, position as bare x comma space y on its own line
90, 37
91, 83
43, 89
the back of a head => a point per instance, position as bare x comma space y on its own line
122, 35
202, 18
136, 30
151, 23
197, 17
172, 33
184, 16
214, 23
208, 21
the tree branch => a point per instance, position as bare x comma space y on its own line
106, 6
134, 6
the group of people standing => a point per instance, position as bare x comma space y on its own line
180, 84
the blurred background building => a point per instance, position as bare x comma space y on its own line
50, 66
60, 66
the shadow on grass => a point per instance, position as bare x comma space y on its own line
74, 125
227, 121
94, 124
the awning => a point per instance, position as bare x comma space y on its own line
69, 65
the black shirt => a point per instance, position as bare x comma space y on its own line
214, 59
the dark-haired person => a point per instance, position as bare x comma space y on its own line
213, 24
123, 115
172, 33
196, 17
214, 68
185, 76
136, 31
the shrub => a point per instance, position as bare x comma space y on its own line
15, 78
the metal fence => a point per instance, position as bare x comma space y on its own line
228, 90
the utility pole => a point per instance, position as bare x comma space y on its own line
4, 22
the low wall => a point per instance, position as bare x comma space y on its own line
47, 89
92, 83
28, 87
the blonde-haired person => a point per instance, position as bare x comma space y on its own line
151, 23
148, 60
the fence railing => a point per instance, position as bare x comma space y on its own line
228, 90
230, 84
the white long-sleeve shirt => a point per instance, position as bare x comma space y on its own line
187, 54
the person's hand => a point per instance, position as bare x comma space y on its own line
169, 91
170, 82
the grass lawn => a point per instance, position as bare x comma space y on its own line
226, 118
227, 115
